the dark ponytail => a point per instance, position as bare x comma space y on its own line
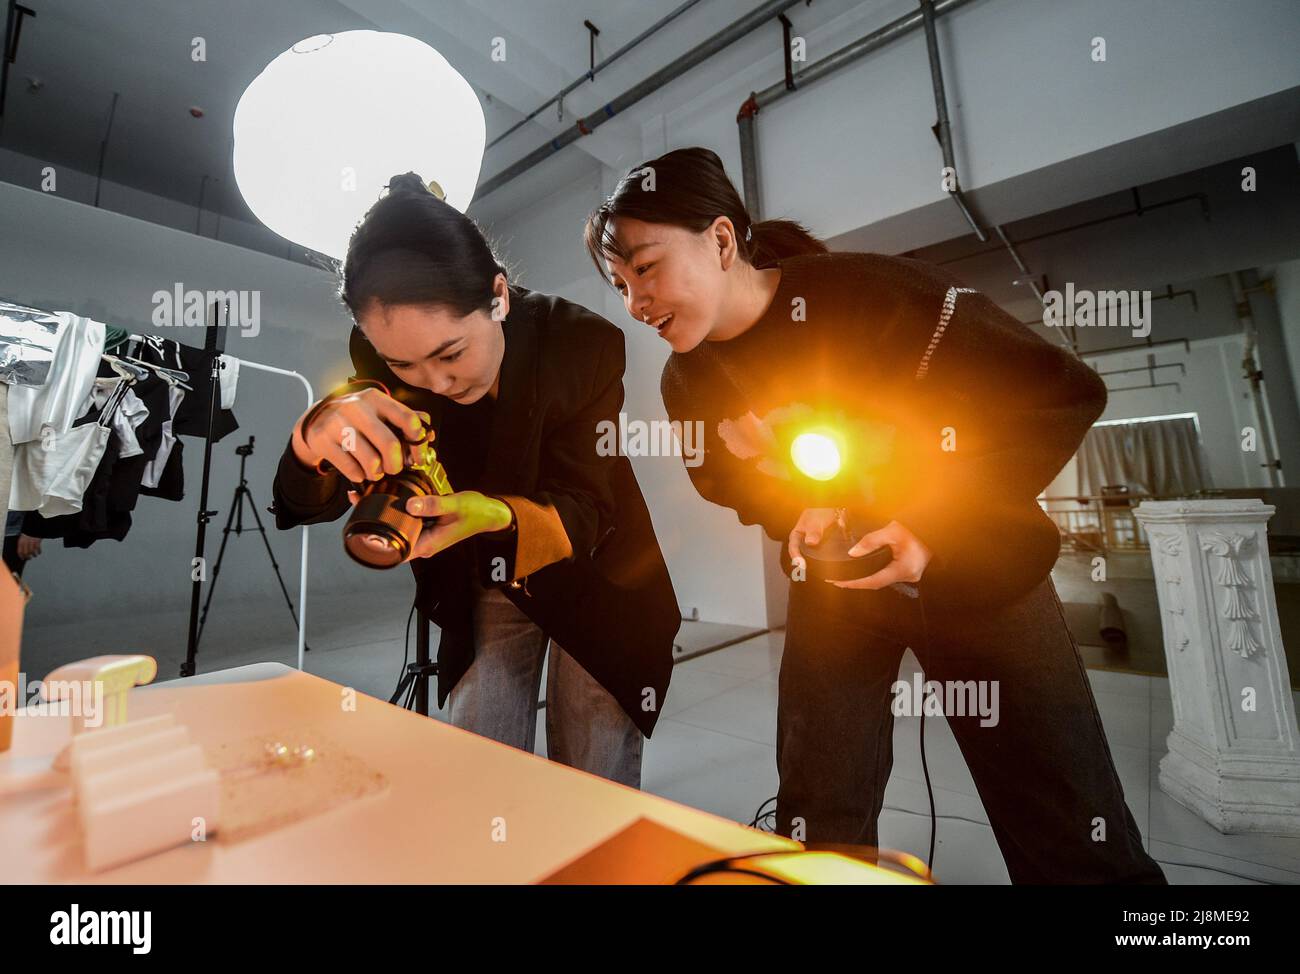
774, 240
689, 188
412, 248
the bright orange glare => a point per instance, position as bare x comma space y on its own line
816, 455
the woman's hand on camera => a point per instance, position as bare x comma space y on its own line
355, 434
911, 557
459, 516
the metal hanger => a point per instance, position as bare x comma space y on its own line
125, 371
173, 377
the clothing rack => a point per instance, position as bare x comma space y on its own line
214, 340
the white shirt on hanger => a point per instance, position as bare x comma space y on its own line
66, 392
154, 468
52, 478
128, 416
228, 379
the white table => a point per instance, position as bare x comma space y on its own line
433, 824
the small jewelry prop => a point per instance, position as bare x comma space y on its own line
277, 756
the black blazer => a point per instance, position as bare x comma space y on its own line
583, 563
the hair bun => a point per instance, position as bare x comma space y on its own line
697, 153
408, 182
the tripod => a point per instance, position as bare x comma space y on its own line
414, 684
236, 518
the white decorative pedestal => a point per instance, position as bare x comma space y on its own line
1233, 754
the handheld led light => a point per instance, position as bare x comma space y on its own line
816, 455
819, 455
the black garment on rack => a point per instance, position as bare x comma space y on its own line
111, 495
192, 414
117, 483
97, 519
124, 484
171, 482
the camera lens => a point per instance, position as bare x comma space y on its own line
380, 533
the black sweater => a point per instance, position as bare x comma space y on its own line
957, 416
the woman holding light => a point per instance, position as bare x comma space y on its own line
959, 417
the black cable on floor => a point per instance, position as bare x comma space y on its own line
925, 767
929, 790
760, 816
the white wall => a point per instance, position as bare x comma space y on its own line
74, 185
61, 255
1023, 94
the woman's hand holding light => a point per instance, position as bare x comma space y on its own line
911, 557
812, 524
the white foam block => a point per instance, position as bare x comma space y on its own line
101, 759
125, 826
92, 738
125, 779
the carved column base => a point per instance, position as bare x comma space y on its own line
1232, 795
1234, 752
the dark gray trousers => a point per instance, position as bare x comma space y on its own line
1043, 771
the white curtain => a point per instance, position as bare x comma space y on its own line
1161, 457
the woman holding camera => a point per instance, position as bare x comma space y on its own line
543, 539
959, 417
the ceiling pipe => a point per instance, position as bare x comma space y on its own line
595, 69
1148, 368
942, 130
923, 17
1158, 385
585, 126
943, 133
1135, 346
1146, 208
757, 101
749, 165
103, 147
846, 55
13, 30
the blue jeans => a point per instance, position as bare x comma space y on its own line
586, 728
1043, 770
